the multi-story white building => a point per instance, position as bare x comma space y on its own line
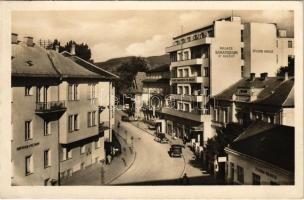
61, 114
207, 60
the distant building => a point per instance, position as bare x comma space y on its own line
262, 155
207, 60
270, 99
61, 114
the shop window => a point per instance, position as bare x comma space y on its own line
256, 179
232, 171
240, 174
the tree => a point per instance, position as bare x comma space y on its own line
81, 50
127, 72
289, 69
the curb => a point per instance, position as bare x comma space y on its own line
124, 170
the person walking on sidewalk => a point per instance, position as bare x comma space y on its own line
109, 157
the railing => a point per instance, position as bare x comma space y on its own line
51, 106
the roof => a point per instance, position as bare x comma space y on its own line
193, 31
267, 142
275, 91
68, 68
36, 61
31, 61
90, 66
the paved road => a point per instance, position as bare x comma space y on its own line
153, 165
152, 159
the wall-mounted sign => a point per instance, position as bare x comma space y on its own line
262, 51
266, 172
226, 52
27, 146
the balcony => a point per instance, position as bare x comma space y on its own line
194, 61
206, 40
195, 115
51, 108
195, 98
197, 79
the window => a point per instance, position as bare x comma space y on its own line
187, 107
69, 154
73, 123
47, 128
91, 118
64, 154
205, 72
28, 130
186, 55
91, 91
224, 116
289, 44
215, 111
186, 90
180, 89
73, 93
41, 93
47, 158
232, 171
29, 169
180, 73
256, 179
277, 58
186, 72
188, 39
180, 56
240, 174
242, 53
28, 91
82, 149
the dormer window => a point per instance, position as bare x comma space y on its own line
29, 63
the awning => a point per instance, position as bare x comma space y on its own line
197, 128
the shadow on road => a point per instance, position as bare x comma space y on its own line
200, 180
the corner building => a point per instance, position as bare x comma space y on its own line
61, 114
207, 60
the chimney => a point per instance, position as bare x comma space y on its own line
29, 41
14, 38
286, 76
264, 76
73, 49
252, 76
57, 48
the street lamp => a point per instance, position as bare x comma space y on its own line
102, 172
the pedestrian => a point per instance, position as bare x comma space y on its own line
185, 179
109, 157
124, 161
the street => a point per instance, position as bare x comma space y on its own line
153, 165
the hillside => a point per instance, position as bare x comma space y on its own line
153, 61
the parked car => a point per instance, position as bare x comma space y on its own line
125, 118
161, 137
176, 150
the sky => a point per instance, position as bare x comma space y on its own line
119, 33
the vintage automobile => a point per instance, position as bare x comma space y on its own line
125, 118
161, 138
176, 150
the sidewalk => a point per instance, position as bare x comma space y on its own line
92, 175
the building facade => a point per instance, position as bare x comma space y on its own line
205, 61
262, 155
61, 114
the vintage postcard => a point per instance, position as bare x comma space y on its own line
152, 100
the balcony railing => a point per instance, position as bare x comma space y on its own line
206, 40
197, 79
50, 107
195, 115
